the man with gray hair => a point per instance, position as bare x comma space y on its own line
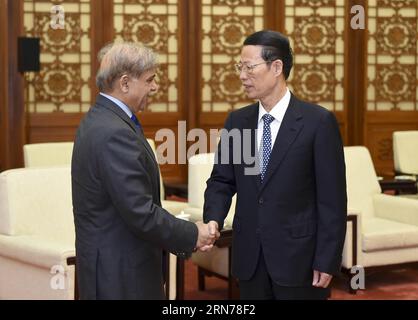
121, 228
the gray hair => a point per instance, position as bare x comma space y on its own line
117, 59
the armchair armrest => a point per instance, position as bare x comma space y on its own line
196, 214
174, 207
352, 244
404, 186
36, 250
396, 208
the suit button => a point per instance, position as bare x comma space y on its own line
257, 231
261, 201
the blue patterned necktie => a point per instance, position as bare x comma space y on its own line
266, 144
135, 120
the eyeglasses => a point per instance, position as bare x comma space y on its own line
247, 68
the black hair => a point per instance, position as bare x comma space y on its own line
275, 46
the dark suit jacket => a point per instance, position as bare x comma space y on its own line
120, 226
298, 214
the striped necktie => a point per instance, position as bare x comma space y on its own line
136, 121
266, 144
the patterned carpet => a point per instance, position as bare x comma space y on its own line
399, 284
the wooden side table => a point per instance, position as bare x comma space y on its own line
176, 189
399, 186
225, 240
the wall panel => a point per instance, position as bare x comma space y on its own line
392, 91
367, 77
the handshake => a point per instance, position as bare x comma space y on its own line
208, 234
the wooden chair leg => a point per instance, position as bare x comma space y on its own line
71, 261
201, 278
233, 288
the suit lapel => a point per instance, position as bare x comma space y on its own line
252, 123
289, 130
109, 105
148, 148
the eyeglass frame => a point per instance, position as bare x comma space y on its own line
239, 67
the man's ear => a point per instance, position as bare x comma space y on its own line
278, 67
123, 83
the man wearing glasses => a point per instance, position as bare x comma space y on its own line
290, 220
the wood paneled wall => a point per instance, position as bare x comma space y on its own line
358, 124
12, 116
390, 81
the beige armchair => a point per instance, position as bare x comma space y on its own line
217, 261
174, 207
382, 230
55, 154
48, 154
52, 154
405, 152
36, 234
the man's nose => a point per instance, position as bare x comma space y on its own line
243, 75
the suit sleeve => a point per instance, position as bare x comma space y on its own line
125, 177
220, 187
331, 195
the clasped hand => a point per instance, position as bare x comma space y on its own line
208, 234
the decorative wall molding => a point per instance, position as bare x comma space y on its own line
367, 77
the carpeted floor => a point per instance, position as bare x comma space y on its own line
384, 285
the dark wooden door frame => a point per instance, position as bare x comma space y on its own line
12, 110
12, 113
355, 76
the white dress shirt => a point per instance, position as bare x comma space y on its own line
119, 103
277, 112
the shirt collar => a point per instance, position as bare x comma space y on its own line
119, 103
278, 110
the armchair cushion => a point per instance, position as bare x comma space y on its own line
396, 208
405, 151
36, 233
37, 201
47, 154
383, 234
36, 250
200, 169
174, 207
362, 181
